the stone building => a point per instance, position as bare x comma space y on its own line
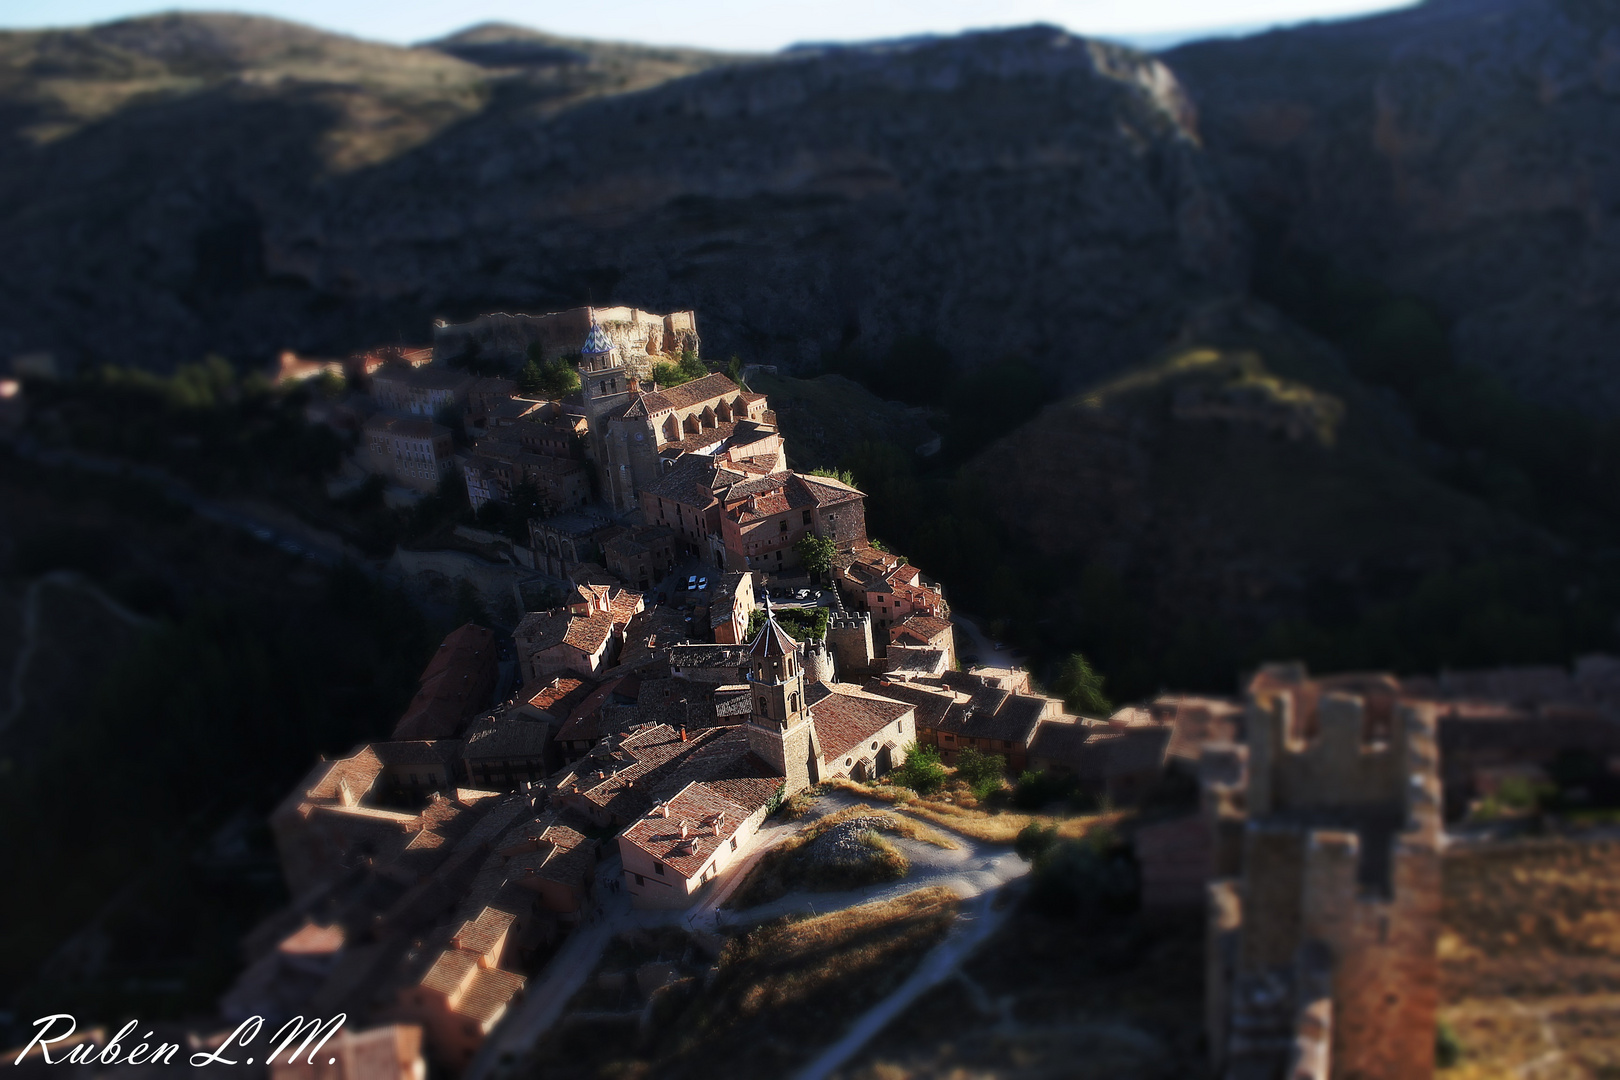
642, 556
888, 587
638, 339
583, 638
1324, 923
762, 519
413, 453
404, 390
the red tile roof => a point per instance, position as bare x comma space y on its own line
848, 716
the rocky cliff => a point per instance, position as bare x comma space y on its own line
194, 183
1462, 150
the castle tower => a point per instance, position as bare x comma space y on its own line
778, 726
849, 636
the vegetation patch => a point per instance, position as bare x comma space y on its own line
1097, 998
845, 850
955, 808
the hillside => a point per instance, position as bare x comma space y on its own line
1460, 150
187, 184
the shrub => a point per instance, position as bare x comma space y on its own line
1447, 1048
1036, 790
1093, 875
922, 771
983, 772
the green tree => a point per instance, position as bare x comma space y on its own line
734, 369
922, 771
689, 367
526, 503
816, 553
554, 378
1081, 687
843, 476
529, 377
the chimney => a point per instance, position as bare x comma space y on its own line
684, 830
683, 733
719, 822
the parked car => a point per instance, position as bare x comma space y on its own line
703, 583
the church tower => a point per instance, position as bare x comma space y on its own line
603, 381
779, 728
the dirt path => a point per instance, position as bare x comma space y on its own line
975, 871
973, 927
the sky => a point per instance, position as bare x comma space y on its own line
735, 25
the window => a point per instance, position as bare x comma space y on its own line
733, 843
413, 779
659, 869
874, 744
640, 880
807, 517
783, 523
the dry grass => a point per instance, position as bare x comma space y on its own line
778, 995
961, 813
1107, 998
1530, 958
785, 868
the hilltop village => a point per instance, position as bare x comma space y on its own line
721, 658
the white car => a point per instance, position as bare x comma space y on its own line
691, 582
703, 583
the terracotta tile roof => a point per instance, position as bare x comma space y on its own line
449, 971
709, 388
455, 685
920, 628
505, 737
772, 640
560, 696
416, 751
932, 703
488, 993
480, 935
1014, 719
848, 716
312, 940
685, 831
703, 440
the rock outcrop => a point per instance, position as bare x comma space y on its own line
1462, 150
1023, 192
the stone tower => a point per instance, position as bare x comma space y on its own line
778, 726
849, 635
605, 385
603, 381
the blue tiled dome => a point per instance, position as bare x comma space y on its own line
597, 342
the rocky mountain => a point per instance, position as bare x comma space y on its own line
182, 184
1465, 151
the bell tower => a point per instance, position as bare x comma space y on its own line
779, 729
603, 381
